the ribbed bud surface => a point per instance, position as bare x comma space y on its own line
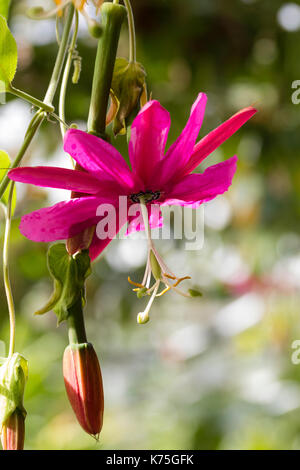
83, 381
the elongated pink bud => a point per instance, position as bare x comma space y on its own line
13, 431
83, 381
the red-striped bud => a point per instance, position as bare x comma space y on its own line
83, 381
13, 431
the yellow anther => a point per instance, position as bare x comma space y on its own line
169, 276
136, 284
163, 291
180, 280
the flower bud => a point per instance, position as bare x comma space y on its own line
35, 12
13, 431
83, 381
95, 29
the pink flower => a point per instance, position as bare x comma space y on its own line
162, 179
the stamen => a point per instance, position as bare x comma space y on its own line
155, 267
164, 291
136, 284
180, 280
180, 292
169, 276
169, 287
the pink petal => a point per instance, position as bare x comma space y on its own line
136, 224
51, 177
98, 245
149, 133
198, 188
61, 221
215, 138
181, 150
97, 156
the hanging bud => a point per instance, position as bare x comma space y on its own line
13, 431
83, 381
13, 377
128, 86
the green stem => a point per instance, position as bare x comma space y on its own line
7, 285
112, 19
76, 326
131, 29
60, 57
41, 115
65, 78
32, 128
31, 99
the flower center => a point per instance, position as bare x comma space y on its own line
147, 195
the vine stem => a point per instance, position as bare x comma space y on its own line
6, 278
60, 57
31, 99
131, 29
40, 115
32, 128
65, 78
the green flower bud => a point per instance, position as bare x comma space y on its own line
127, 86
13, 377
95, 29
35, 12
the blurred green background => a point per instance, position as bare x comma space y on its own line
214, 373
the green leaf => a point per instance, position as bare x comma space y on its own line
69, 274
8, 53
13, 377
127, 86
4, 7
4, 164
